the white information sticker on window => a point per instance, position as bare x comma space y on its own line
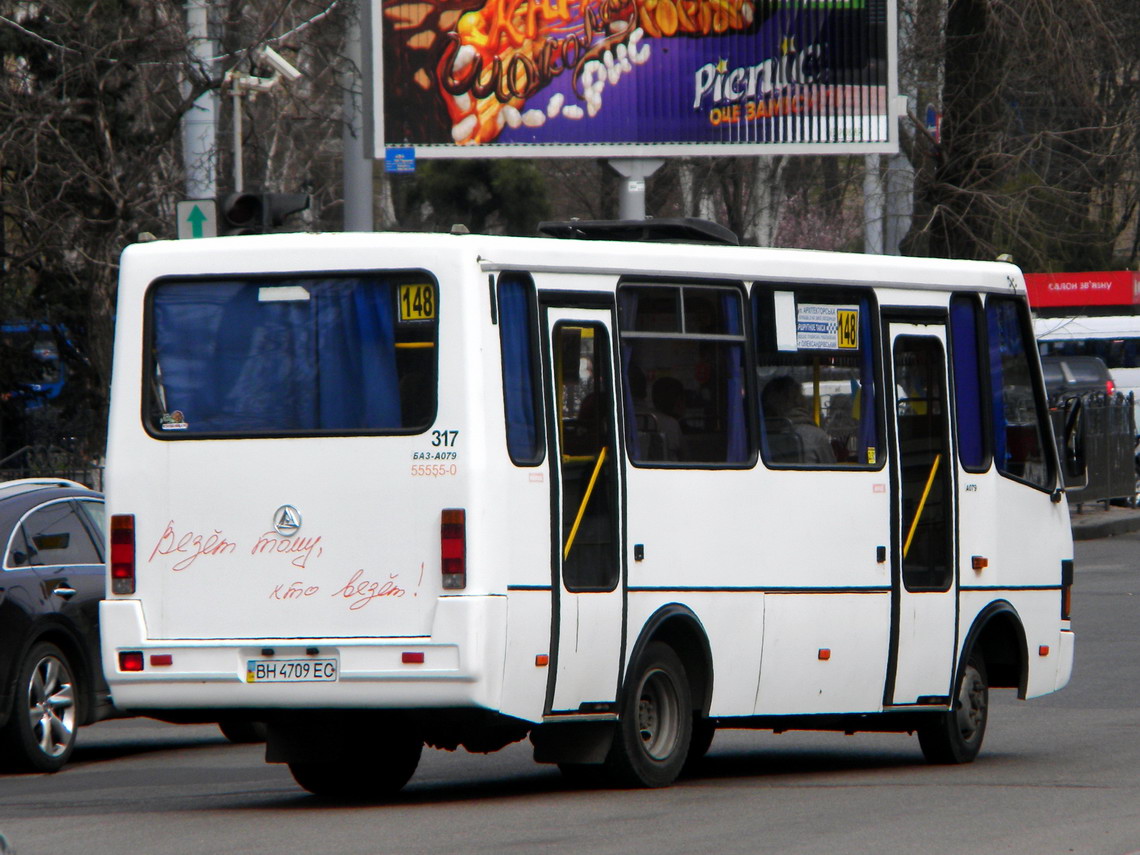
784, 308
282, 294
823, 327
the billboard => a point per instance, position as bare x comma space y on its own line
620, 78
1080, 290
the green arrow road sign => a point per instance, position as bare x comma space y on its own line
197, 218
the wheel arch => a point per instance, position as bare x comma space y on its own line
998, 635
677, 625
81, 664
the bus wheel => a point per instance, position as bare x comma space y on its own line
956, 736
367, 777
656, 724
699, 743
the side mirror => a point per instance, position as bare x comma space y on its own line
1073, 461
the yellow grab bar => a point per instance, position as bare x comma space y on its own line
922, 503
585, 501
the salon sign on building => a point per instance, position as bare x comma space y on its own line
537, 78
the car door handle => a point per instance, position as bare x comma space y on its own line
64, 591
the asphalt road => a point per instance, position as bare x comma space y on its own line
1059, 774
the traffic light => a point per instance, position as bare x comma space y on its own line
257, 213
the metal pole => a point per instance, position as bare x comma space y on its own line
238, 178
631, 197
358, 192
872, 206
199, 124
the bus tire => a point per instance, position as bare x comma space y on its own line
367, 777
699, 743
956, 736
656, 726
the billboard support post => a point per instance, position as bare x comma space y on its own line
631, 198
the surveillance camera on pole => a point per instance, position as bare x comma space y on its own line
279, 63
246, 84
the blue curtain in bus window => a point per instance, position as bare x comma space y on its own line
1004, 338
737, 450
358, 386
517, 342
627, 314
967, 381
232, 361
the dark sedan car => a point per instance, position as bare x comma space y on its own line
51, 582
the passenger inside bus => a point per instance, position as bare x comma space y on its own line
793, 437
669, 407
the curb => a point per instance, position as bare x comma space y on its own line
1092, 529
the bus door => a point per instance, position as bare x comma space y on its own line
924, 606
587, 499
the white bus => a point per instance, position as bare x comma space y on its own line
381, 491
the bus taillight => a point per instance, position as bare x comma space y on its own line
123, 554
453, 548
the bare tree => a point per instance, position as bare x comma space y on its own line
91, 103
1041, 116
89, 112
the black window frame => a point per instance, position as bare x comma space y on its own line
808, 292
535, 366
981, 332
744, 339
1033, 360
278, 278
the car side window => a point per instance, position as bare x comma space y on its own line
52, 535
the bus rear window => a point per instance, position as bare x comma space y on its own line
280, 357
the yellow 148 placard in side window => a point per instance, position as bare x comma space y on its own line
848, 328
417, 302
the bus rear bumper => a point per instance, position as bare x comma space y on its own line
460, 668
1066, 644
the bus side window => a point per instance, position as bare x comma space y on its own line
1019, 447
815, 368
520, 369
682, 354
969, 401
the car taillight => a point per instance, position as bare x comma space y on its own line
453, 548
1109, 388
123, 554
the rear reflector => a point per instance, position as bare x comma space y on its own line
409, 657
130, 660
453, 548
123, 555
161, 659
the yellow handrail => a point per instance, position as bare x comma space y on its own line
585, 501
922, 503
